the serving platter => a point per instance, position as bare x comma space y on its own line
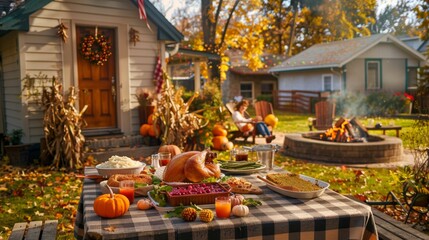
243, 171
299, 194
139, 191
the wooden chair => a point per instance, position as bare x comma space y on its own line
238, 134
263, 108
325, 114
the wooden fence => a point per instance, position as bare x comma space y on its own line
297, 101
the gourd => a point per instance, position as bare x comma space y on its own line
173, 149
240, 210
237, 199
144, 204
111, 205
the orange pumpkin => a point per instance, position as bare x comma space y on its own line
219, 142
111, 205
247, 128
150, 119
271, 120
219, 130
144, 129
154, 131
173, 149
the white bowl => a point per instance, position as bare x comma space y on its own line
107, 172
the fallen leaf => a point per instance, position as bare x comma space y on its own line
110, 228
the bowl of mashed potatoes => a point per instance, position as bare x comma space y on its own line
119, 165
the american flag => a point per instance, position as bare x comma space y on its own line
142, 12
158, 77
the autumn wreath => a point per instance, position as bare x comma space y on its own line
96, 49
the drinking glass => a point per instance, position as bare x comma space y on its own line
126, 188
223, 207
164, 158
155, 160
242, 155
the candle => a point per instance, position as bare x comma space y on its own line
223, 207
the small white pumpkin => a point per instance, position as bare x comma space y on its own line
237, 199
240, 210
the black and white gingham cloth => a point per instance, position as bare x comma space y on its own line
330, 216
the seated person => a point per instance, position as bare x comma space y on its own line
246, 125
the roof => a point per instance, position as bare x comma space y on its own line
339, 53
185, 55
238, 65
18, 19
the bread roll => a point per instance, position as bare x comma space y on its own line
114, 180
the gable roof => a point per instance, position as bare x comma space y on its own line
18, 19
339, 53
238, 65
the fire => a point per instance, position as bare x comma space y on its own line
343, 131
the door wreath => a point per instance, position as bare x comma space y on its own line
96, 49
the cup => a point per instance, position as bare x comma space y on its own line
126, 188
242, 155
164, 158
155, 160
223, 207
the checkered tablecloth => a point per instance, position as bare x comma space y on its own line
330, 216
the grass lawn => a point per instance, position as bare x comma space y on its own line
39, 193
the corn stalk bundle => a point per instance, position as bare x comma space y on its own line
177, 124
62, 127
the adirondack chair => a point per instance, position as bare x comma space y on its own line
325, 114
238, 134
264, 108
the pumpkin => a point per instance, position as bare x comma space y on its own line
111, 205
271, 120
219, 142
247, 128
144, 204
237, 199
173, 149
144, 129
240, 210
219, 130
154, 131
150, 119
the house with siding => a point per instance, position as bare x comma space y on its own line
30, 44
375, 63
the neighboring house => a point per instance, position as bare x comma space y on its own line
242, 81
374, 63
415, 42
29, 44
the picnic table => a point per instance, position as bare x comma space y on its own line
384, 129
330, 216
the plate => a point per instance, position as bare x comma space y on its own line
243, 171
301, 195
140, 191
171, 208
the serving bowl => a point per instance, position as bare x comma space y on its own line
107, 172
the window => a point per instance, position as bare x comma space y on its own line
327, 81
373, 74
246, 90
267, 88
412, 78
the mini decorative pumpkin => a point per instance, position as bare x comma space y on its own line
144, 204
219, 142
144, 129
240, 210
173, 149
228, 146
111, 205
237, 199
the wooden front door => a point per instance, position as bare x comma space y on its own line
97, 83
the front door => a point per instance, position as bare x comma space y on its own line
97, 84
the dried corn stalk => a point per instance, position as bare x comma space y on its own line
176, 123
62, 128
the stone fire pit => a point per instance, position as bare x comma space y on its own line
378, 149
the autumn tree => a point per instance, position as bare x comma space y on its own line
395, 19
422, 13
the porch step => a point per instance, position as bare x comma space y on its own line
115, 141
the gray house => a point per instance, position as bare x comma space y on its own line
29, 44
376, 63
